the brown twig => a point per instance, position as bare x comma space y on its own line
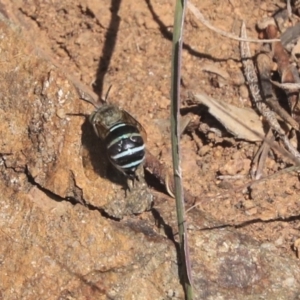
261, 156
161, 172
252, 79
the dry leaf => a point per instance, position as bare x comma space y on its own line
243, 123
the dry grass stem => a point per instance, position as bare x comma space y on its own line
201, 18
289, 86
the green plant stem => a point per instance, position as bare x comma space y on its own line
175, 138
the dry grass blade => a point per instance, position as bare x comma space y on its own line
273, 103
289, 86
289, 8
201, 18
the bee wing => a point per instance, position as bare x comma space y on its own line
129, 119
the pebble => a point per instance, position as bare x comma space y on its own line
244, 92
237, 77
61, 113
224, 47
231, 64
217, 153
251, 211
248, 204
204, 150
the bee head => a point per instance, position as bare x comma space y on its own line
104, 118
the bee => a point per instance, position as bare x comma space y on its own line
123, 135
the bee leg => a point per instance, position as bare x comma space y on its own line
133, 182
139, 175
130, 184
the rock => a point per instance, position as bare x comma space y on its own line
58, 239
232, 265
55, 250
60, 154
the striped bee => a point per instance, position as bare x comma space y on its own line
123, 136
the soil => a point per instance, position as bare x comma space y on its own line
127, 44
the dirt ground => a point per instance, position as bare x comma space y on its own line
127, 44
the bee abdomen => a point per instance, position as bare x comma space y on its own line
125, 148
